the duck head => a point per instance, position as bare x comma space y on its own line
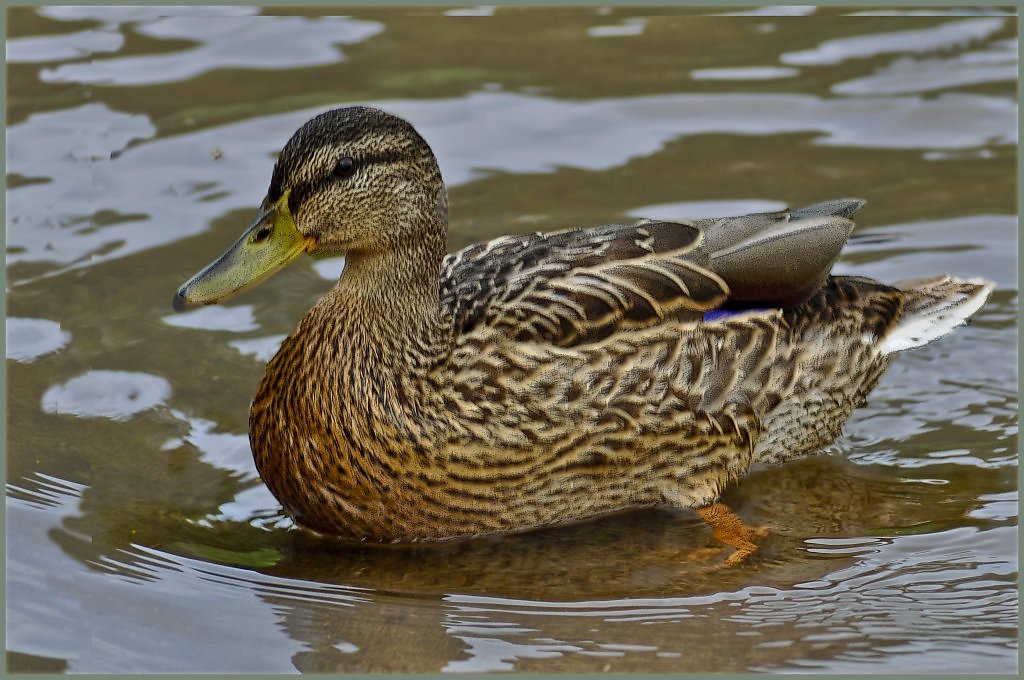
355, 181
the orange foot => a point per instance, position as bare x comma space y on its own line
730, 529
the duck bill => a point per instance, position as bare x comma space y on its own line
270, 242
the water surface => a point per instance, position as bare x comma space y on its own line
140, 141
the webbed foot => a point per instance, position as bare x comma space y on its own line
730, 529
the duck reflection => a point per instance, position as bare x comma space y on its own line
534, 601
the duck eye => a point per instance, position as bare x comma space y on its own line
345, 167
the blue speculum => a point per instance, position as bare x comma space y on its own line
716, 314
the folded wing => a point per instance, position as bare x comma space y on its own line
582, 285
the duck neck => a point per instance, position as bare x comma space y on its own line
389, 298
384, 312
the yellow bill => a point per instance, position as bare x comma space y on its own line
270, 242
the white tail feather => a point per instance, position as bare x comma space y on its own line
935, 307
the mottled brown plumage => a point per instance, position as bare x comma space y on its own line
541, 378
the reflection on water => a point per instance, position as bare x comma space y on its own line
222, 44
631, 26
748, 73
166, 190
693, 210
262, 349
997, 63
861, 614
140, 142
942, 37
237, 319
844, 601
107, 394
29, 339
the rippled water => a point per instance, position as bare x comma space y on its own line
139, 142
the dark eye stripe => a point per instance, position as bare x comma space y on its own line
380, 158
303, 190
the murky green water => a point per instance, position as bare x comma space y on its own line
140, 140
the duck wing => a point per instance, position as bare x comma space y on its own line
581, 285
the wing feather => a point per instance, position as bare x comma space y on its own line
581, 285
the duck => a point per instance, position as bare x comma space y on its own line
544, 378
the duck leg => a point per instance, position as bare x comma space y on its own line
730, 529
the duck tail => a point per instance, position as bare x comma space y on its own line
934, 307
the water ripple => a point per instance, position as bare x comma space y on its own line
43, 490
29, 339
223, 44
910, 592
237, 319
50, 48
117, 395
997, 63
136, 184
943, 37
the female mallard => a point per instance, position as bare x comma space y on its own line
541, 378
